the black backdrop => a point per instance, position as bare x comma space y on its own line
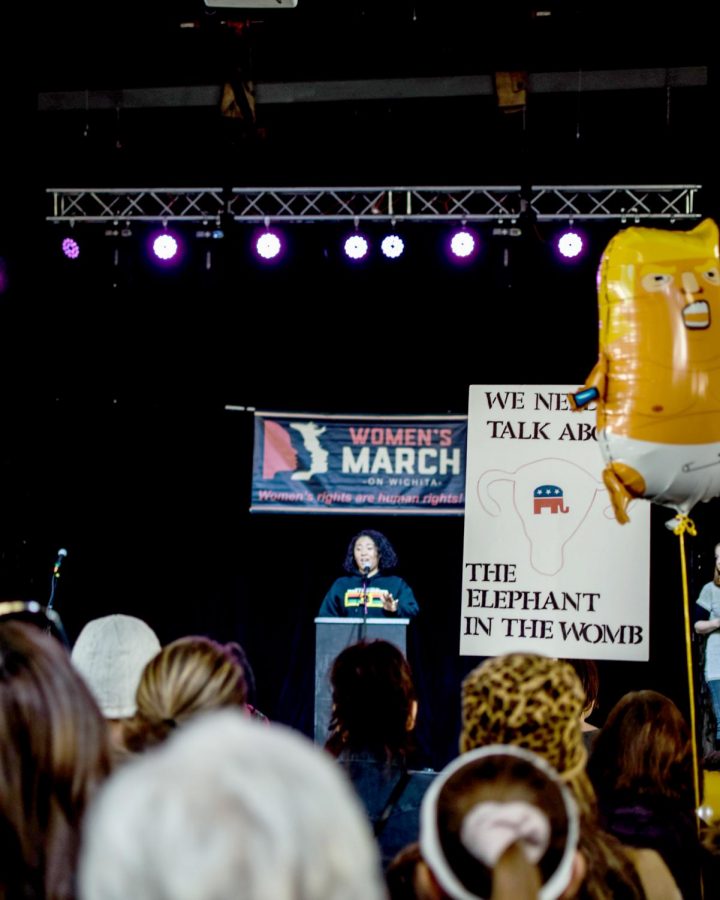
117, 444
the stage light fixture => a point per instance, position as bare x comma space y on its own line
268, 245
356, 247
392, 246
165, 246
570, 244
70, 248
464, 245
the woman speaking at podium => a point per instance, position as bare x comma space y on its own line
367, 590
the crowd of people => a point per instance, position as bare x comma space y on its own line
129, 769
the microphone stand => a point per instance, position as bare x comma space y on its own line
62, 553
363, 627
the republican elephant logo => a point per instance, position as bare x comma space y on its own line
549, 496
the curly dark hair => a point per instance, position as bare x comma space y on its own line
387, 558
373, 697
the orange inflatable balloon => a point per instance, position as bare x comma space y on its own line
657, 378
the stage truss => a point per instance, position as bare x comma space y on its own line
623, 203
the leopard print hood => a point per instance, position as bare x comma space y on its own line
527, 701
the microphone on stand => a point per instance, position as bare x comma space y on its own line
62, 553
366, 572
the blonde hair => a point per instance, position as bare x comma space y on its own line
188, 676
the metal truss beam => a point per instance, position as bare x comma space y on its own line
294, 92
103, 205
408, 204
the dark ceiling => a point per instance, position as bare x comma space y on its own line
370, 91
144, 42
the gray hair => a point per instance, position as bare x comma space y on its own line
229, 808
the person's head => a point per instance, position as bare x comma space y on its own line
716, 573
188, 676
529, 701
536, 702
54, 753
111, 653
643, 750
501, 814
370, 548
226, 808
587, 672
374, 700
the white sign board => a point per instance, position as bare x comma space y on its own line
546, 567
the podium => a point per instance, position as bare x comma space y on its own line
332, 635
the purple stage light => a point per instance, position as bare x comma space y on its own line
570, 244
392, 246
268, 246
356, 247
165, 247
463, 245
70, 248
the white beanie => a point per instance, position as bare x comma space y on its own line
110, 654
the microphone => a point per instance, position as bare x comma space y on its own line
62, 553
366, 572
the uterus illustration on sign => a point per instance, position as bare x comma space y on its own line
551, 497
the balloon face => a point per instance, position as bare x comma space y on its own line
658, 374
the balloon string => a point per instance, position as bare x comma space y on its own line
686, 525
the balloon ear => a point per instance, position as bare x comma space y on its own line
707, 230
